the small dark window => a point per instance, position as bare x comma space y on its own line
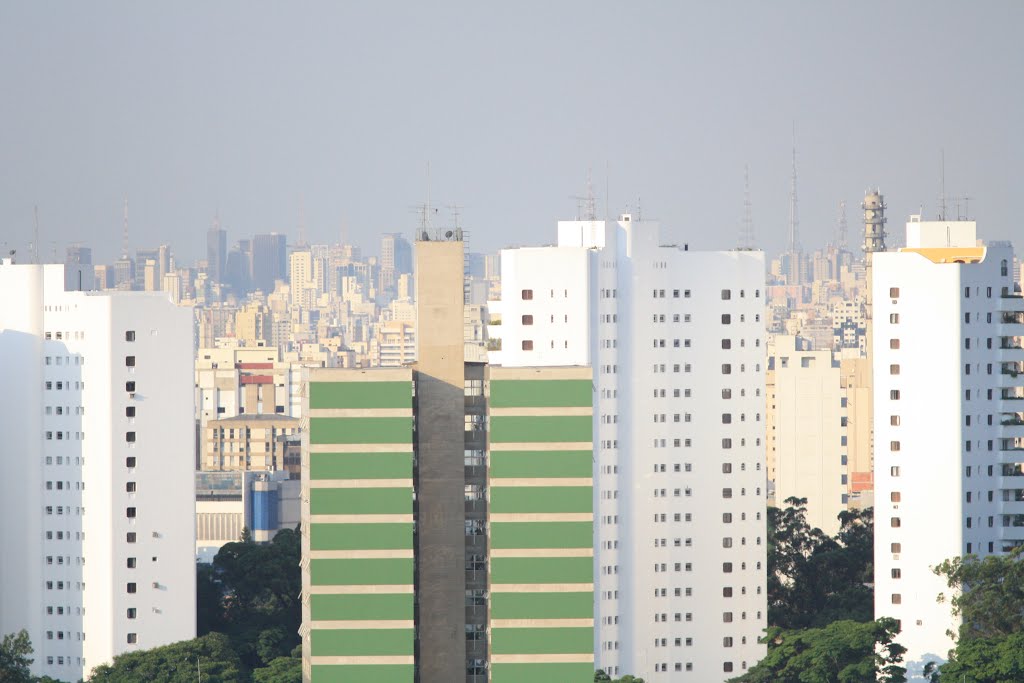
133, 638
129, 336
527, 345
130, 512
129, 437
132, 612
726, 319
527, 319
129, 361
130, 537
129, 387
129, 461
527, 294
726, 294
894, 292
130, 487
129, 411
726, 343
131, 563
132, 587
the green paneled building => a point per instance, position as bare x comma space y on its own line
524, 562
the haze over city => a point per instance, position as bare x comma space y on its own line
261, 112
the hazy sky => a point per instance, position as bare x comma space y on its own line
256, 108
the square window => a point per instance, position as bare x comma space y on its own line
129, 361
527, 345
129, 336
132, 587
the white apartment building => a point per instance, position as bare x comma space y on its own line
676, 341
98, 489
949, 480
806, 445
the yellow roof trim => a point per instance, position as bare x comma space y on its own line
950, 254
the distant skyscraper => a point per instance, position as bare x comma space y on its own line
447, 512
216, 252
98, 426
269, 261
676, 341
949, 421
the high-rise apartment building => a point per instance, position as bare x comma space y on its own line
947, 347
447, 512
676, 341
806, 442
98, 492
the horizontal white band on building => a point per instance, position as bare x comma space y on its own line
359, 519
542, 623
542, 587
374, 659
543, 446
361, 447
541, 517
542, 412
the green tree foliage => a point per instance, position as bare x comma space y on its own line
280, 670
251, 593
601, 677
841, 652
16, 658
814, 579
988, 595
177, 663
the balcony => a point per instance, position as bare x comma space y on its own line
1011, 350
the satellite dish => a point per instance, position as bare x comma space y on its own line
426, 236
449, 234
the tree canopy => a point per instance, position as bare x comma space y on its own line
841, 652
988, 595
212, 654
814, 579
16, 658
600, 676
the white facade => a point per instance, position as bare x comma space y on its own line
808, 442
948, 415
98, 488
676, 342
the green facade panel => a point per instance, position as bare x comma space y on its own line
361, 572
360, 466
349, 642
360, 536
360, 395
371, 501
542, 570
534, 464
345, 430
542, 641
364, 673
542, 605
373, 606
542, 393
542, 534
524, 499
539, 673
540, 428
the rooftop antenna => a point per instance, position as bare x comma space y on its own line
302, 223
794, 222
456, 210
124, 236
639, 212
942, 187
747, 228
841, 237
607, 186
586, 205
35, 236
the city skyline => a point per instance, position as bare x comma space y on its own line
187, 118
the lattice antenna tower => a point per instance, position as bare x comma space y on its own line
35, 235
747, 240
586, 205
124, 235
794, 221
